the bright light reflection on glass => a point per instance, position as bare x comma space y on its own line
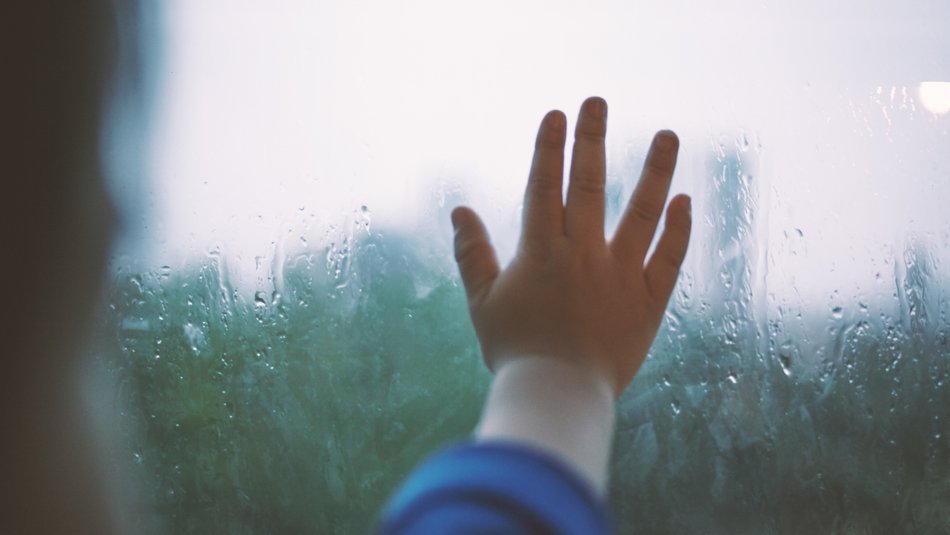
935, 96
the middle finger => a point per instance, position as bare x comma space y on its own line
584, 209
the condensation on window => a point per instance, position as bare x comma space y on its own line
285, 336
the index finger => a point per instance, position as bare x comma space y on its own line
543, 207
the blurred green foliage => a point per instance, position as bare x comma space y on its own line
300, 409
297, 411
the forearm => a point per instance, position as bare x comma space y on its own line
559, 406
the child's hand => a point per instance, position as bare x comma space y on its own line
568, 294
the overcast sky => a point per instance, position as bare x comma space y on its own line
279, 121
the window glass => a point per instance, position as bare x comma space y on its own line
286, 334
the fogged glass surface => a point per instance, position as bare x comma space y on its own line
286, 335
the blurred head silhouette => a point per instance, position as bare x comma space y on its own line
57, 63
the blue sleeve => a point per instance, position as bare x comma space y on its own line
495, 487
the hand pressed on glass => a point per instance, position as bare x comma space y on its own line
568, 293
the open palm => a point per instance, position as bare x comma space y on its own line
569, 293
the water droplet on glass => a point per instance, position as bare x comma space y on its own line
837, 313
743, 142
786, 363
260, 300
364, 219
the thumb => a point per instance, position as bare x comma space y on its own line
473, 253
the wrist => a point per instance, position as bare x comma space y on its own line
561, 406
587, 372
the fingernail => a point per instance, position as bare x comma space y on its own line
666, 140
597, 107
555, 121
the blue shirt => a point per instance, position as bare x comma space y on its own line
495, 487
